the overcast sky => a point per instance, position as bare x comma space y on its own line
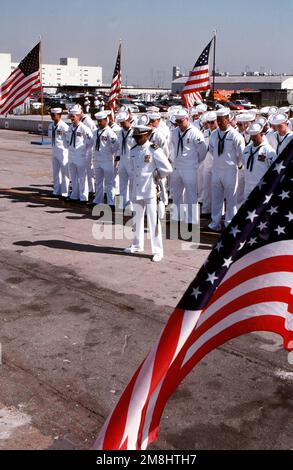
156, 34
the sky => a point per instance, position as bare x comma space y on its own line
156, 34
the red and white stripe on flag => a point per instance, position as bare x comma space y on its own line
116, 83
21, 83
255, 295
198, 79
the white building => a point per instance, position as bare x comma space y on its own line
68, 72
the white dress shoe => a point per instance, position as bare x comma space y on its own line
156, 258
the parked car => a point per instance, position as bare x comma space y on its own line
233, 106
246, 104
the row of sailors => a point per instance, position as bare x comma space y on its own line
215, 156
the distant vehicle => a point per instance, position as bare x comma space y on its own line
212, 104
141, 106
246, 104
233, 106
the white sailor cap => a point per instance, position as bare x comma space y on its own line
56, 111
264, 110
76, 109
211, 116
154, 115
122, 116
203, 118
141, 130
181, 113
102, 115
144, 120
262, 121
254, 128
223, 112
123, 108
284, 109
172, 118
245, 117
272, 110
153, 109
278, 118
201, 108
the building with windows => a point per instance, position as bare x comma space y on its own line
67, 73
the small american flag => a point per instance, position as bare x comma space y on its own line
245, 285
198, 80
22, 82
116, 83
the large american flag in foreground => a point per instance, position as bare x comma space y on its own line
198, 80
116, 84
22, 82
245, 285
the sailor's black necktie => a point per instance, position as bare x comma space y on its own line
280, 142
124, 139
250, 160
54, 135
73, 137
180, 141
221, 143
98, 141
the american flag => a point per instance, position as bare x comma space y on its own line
245, 285
22, 82
116, 83
198, 80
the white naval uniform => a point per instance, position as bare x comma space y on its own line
87, 121
290, 125
198, 124
126, 142
188, 150
241, 173
207, 177
144, 161
271, 138
160, 138
256, 161
105, 149
80, 141
225, 174
60, 167
282, 141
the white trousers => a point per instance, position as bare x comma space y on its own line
207, 190
241, 185
124, 184
224, 186
184, 180
150, 206
60, 176
105, 182
78, 174
90, 173
200, 181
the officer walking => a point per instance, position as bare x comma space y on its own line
146, 159
57, 132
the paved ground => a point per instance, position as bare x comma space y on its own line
78, 316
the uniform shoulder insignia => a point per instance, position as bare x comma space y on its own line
155, 146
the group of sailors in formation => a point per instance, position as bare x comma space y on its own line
195, 157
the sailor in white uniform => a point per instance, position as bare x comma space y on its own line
105, 149
126, 142
226, 145
148, 162
87, 120
188, 150
57, 132
80, 141
283, 134
243, 121
258, 156
211, 120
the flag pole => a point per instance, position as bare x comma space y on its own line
214, 64
43, 142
